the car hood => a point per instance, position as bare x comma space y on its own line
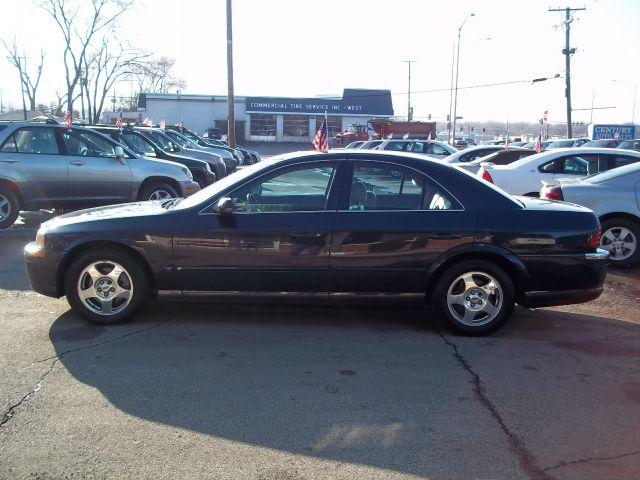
110, 212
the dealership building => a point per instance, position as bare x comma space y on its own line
269, 119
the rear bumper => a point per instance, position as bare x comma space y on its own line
562, 297
586, 276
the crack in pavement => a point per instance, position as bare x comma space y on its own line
527, 460
6, 416
591, 459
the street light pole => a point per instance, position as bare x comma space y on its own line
455, 94
635, 91
453, 63
409, 112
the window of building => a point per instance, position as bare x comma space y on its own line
263, 124
295, 126
334, 124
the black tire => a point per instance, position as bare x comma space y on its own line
615, 225
9, 207
133, 271
448, 280
151, 189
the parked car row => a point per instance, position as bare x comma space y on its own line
46, 165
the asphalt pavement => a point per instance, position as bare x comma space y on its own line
293, 392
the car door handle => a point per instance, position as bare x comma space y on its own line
9, 160
77, 162
308, 235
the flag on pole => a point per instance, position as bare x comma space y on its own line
223, 137
389, 135
506, 142
162, 124
321, 140
405, 136
181, 126
431, 135
616, 136
119, 120
67, 119
538, 146
148, 122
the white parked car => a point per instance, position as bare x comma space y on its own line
613, 196
525, 176
430, 148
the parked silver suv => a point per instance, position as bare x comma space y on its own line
46, 165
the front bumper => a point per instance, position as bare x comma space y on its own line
42, 270
189, 187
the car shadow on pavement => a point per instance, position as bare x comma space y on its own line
358, 385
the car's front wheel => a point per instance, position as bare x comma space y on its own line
620, 238
106, 286
9, 208
474, 297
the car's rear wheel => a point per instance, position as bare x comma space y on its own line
620, 238
106, 286
9, 207
474, 297
158, 191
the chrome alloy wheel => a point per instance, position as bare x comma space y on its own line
620, 242
5, 207
160, 194
105, 287
474, 298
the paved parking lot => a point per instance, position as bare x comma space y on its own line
207, 391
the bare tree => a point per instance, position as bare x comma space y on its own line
70, 16
156, 76
29, 82
108, 65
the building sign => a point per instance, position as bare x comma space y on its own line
353, 102
625, 132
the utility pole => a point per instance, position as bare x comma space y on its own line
568, 51
455, 95
231, 125
409, 112
453, 64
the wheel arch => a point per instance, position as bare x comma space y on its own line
505, 259
159, 178
625, 215
92, 244
15, 189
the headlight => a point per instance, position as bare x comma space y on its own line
40, 238
208, 167
188, 173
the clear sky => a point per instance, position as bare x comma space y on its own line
306, 48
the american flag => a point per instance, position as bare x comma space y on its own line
405, 136
616, 136
162, 124
67, 119
321, 140
148, 122
119, 120
506, 142
538, 146
181, 125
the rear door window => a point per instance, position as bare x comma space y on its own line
383, 186
32, 140
436, 149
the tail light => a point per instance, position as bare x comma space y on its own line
594, 240
554, 193
486, 176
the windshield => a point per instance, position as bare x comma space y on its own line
162, 141
561, 144
179, 139
608, 142
613, 173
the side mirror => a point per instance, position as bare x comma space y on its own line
225, 206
